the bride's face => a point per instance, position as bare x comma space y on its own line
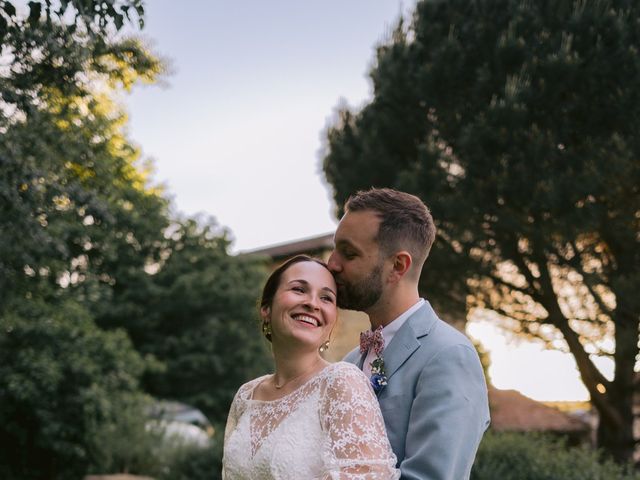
304, 306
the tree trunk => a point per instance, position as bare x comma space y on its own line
616, 438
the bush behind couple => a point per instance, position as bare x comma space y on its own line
410, 402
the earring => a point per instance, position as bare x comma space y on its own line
324, 347
266, 330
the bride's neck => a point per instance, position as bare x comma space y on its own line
295, 364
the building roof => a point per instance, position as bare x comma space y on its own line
512, 411
295, 247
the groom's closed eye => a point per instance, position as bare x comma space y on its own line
347, 252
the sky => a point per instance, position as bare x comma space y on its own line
235, 131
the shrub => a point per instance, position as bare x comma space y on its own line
513, 456
63, 383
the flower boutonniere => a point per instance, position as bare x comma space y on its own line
378, 376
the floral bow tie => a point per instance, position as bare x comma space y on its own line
372, 339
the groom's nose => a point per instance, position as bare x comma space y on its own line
333, 262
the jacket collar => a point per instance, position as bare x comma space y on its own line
405, 341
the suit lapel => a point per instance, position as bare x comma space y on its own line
361, 360
405, 341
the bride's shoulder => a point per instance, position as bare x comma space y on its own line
345, 371
345, 381
245, 391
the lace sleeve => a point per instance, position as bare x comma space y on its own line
357, 446
235, 411
232, 419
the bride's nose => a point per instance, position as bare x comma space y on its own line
312, 303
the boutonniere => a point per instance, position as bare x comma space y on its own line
378, 376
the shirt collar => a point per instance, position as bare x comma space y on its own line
390, 330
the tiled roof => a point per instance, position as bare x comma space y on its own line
512, 411
288, 249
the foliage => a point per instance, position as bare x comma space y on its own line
62, 381
94, 16
73, 197
515, 122
516, 456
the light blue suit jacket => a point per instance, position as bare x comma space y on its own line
435, 405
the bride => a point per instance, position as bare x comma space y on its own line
310, 419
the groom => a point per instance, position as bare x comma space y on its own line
428, 376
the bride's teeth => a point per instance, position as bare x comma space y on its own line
305, 319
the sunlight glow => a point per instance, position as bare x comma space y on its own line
544, 375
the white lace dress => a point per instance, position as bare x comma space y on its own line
329, 428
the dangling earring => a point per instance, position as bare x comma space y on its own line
324, 347
266, 330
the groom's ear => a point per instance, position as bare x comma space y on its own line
402, 262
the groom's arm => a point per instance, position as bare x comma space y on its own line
449, 415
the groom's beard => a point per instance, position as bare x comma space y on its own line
362, 295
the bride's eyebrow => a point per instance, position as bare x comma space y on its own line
329, 290
304, 282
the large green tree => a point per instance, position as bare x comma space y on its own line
74, 199
516, 122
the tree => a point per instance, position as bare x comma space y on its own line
68, 174
515, 122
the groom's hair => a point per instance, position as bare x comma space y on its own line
405, 222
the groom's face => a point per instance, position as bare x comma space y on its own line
356, 261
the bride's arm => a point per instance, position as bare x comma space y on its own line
357, 444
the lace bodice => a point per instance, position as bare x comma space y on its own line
329, 428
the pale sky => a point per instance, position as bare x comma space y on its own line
237, 131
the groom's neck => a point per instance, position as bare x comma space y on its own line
391, 305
